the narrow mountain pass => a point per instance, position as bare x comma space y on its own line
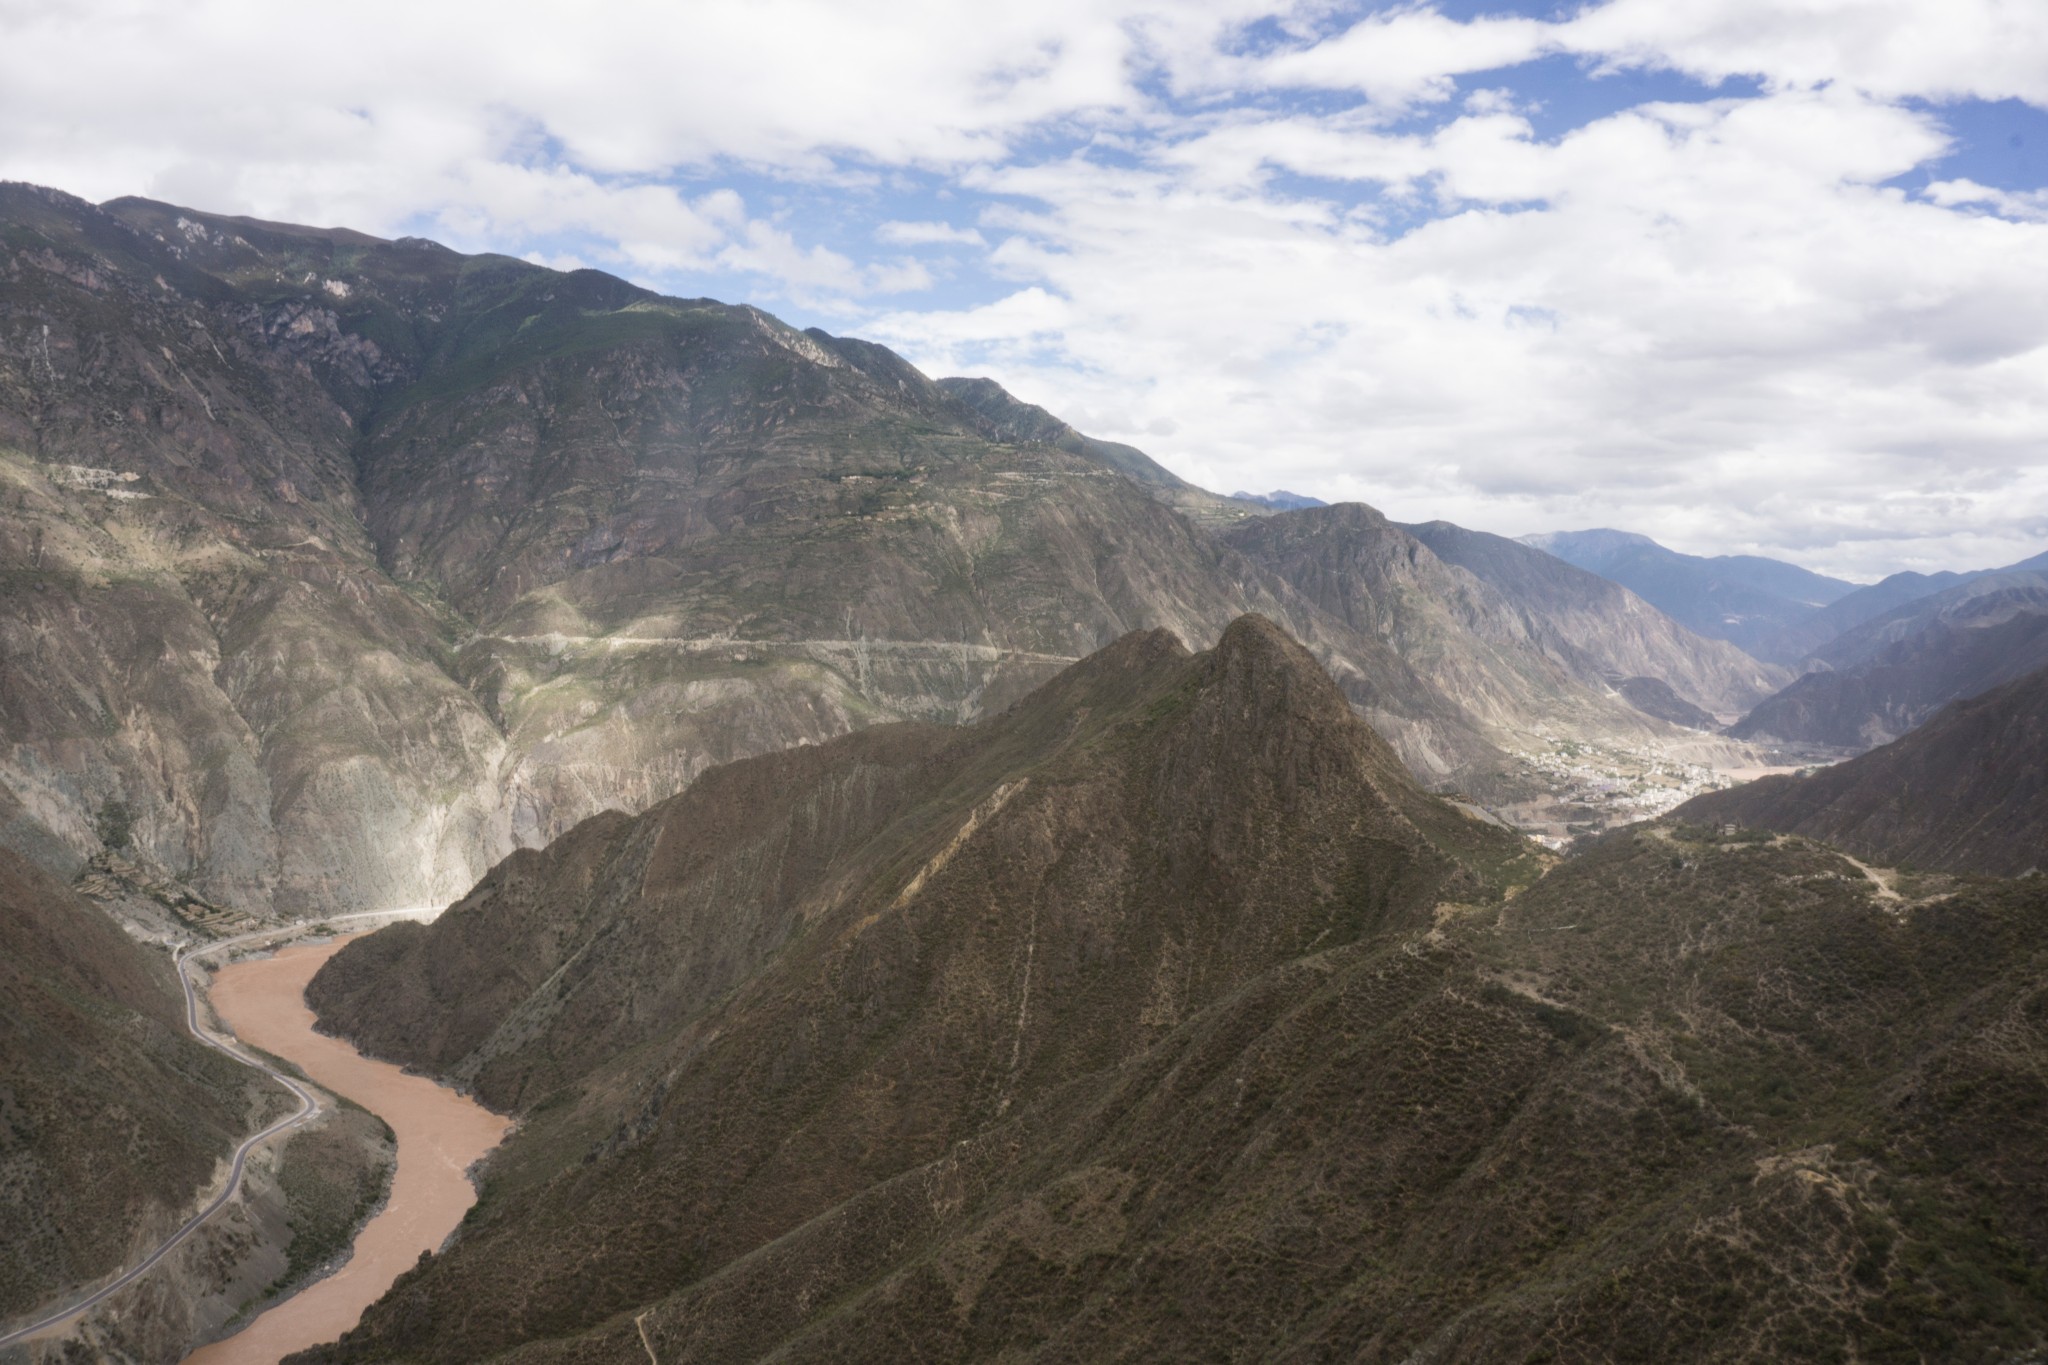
440, 1134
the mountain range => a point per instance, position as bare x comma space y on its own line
1879, 680
336, 568
934, 884
1164, 1016
1745, 599
1777, 612
1967, 791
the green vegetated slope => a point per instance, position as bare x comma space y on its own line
111, 1117
1965, 792
1162, 1017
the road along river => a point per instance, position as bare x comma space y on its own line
439, 1134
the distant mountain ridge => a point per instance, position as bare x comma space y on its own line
1808, 638
1280, 500
1604, 632
1878, 680
1744, 599
1967, 791
1775, 611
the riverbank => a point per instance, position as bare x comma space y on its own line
440, 1134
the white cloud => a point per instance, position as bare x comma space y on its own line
2027, 205
1711, 321
1402, 58
1716, 326
1937, 49
928, 234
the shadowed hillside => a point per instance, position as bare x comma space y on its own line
1888, 675
111, 1116
1163, 1017
886, 944
1966, 792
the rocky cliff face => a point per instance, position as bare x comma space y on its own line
1163, 1016
1530, 665
1600, 632
332, 569
1967, 791
199, 637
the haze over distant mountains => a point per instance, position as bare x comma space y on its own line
1280, 500
1776, 611
1875, 661
1745, 599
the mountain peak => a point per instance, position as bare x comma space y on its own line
1280, 499
1593, 539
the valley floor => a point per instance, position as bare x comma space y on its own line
439, 1132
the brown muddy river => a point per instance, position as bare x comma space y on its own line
439, 1134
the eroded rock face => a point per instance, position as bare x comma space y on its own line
202, 658
332, 569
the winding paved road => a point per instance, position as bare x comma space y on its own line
308, 1107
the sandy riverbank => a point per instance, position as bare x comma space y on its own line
439, 1134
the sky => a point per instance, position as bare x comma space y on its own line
1748, 276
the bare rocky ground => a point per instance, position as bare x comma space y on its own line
333, 569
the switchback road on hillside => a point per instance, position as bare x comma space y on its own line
308, 1107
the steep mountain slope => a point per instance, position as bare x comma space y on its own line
1601, 631
577, 503
888, 944
1009, 420
113, 1117
1383, 583
1173, 1022
1966, 792
1513, 667
1888, 675
1800, 639
339, 567
1844, 614
1744, 599
196, 629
